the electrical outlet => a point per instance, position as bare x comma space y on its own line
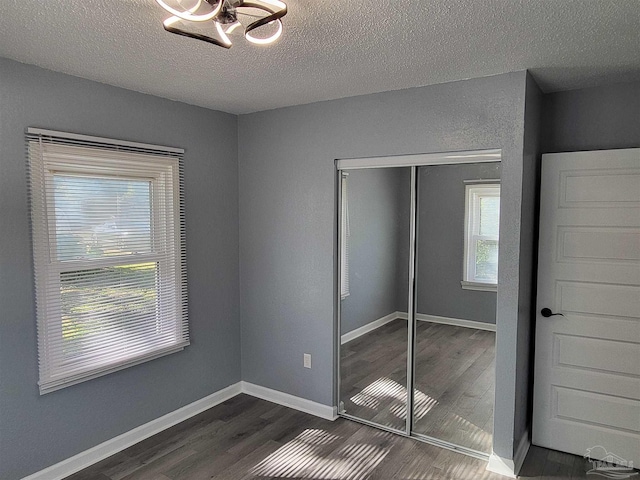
307, 360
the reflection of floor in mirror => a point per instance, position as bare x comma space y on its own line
454, 381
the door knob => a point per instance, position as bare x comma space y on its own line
546, 312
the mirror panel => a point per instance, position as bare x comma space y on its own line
375, 211
458, 208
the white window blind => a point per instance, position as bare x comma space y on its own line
344, 239
109, 255
482, 221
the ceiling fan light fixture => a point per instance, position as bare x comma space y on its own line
192, 18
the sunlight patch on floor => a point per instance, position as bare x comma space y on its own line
383, 389
470, 434
308, 456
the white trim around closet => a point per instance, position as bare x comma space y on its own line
446, 158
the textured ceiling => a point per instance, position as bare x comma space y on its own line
330, 48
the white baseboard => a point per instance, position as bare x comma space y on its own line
358, 332
117, 444
291, 401
501, 466
458, 322
110, 447
422, 317
510, 468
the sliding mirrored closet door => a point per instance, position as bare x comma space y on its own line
418, 243
375, 210
458, 211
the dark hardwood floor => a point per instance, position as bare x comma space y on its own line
454, 381
247, 438
373, 375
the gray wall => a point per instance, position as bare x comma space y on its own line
37, 431
288, 228
441, 207
529, 249
592, 119
287, 232
379, 209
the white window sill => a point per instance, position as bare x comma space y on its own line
52, 386
482, 287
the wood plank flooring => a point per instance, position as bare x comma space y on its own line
373, 375
454, 381
246, 438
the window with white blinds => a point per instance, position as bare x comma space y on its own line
482, 222
344, 239
109, 255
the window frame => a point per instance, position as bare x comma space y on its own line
91, 157
476, 190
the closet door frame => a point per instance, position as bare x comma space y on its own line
396, 161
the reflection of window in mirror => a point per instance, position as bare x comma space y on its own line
481, 222
344, 240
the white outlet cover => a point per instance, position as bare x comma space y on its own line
307, 360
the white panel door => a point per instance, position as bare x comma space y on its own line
587, 362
